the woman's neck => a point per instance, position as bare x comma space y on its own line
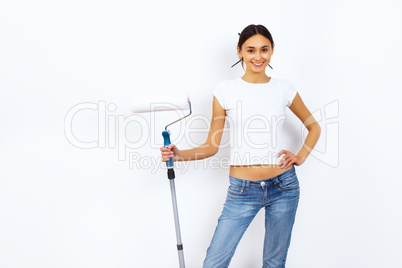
256, 78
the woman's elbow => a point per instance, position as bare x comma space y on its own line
215, 151
317, 129
212, 150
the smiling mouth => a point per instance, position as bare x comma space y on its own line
258, 64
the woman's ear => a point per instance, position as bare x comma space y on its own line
239, 52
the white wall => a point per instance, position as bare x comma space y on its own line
65, 206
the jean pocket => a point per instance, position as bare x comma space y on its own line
236, 190
289, 183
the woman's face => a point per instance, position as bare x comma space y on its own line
256, 53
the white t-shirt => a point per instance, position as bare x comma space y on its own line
255, 114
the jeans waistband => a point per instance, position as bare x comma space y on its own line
274, 180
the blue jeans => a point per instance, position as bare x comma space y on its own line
280, 197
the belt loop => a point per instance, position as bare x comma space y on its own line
245, 184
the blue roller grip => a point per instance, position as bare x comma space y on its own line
166, 137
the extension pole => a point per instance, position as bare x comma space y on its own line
171, 177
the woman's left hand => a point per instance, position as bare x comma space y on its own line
288, 159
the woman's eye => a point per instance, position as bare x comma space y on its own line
250, 51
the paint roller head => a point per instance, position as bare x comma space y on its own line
160, 102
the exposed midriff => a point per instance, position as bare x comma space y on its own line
257, 172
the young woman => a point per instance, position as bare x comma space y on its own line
262, 172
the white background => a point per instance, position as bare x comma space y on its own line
66, 206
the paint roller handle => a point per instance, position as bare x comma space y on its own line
169, 151
166, 152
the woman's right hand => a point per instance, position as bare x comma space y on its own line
170, 151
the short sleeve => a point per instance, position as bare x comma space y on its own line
218, 92
291, 93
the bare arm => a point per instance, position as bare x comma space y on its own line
314, 129
211, 145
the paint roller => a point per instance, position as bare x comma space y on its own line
159, 103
